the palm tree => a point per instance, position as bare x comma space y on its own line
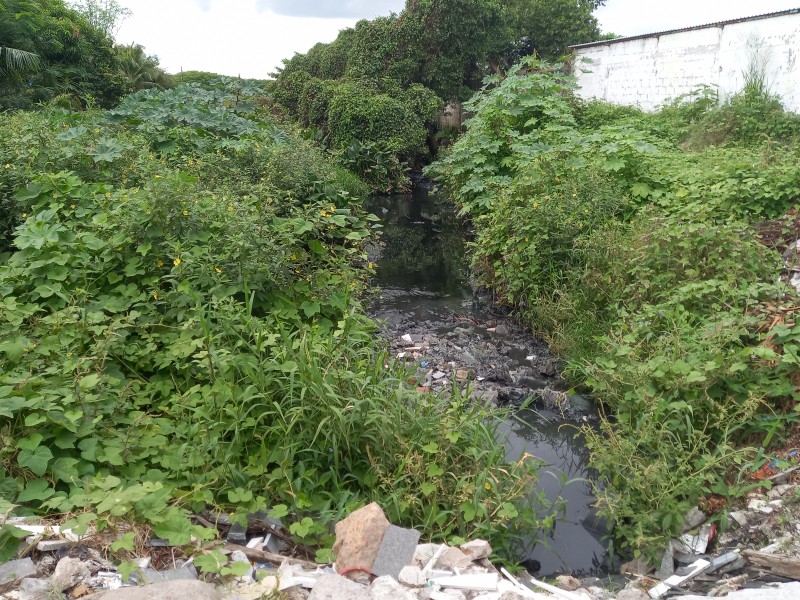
141, 70
14, 60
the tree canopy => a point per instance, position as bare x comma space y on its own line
76, 59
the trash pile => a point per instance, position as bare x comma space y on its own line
376, 560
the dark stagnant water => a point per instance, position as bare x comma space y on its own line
423, 279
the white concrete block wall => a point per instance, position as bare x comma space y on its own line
649, 71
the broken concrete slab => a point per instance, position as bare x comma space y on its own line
336, 587
359, 537
396, 551
17, 569
168, 590
387, 588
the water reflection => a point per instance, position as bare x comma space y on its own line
423, 276
576, 544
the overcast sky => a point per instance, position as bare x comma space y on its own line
250, 37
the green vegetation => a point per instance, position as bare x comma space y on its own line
629, 240
55, 52
180, 329
374, 93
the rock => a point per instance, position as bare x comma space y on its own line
359, 537
167, 590
756, 503
502, 329
424, 553
462, 375
412, 576
779, 491
667, 567
694, 518
396, 551
336, 587
237, 534
69, 573
637, 566
37, 589
263, 589
791, 257
17, 569
449, 595
511, 596
632, 594
387, 588
740, 517
453, 558
186, 572
568, 582
477, 549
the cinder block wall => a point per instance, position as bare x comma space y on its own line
649, 70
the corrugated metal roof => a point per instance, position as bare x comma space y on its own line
707, 25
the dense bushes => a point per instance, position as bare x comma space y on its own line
637, 259
180, 329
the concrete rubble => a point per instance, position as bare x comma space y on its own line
756, 559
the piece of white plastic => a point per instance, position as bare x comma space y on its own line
668, 584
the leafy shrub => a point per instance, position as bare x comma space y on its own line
750, 117
359, 112
180, 328
634, 255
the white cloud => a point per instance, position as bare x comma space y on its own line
632, 17
359, 9
251, 37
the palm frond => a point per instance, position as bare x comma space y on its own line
13, 60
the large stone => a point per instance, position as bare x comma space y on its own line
387, 588
476, 549
412, 576
568, 582
69, 573
17, 569
453, 558
336, 587
359, 537
168, 590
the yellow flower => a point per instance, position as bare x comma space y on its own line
72, 206
177, 262
24, 215
230, 207
371, 265
155, 295
488, 486
218, 270
186, 213
8, 165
